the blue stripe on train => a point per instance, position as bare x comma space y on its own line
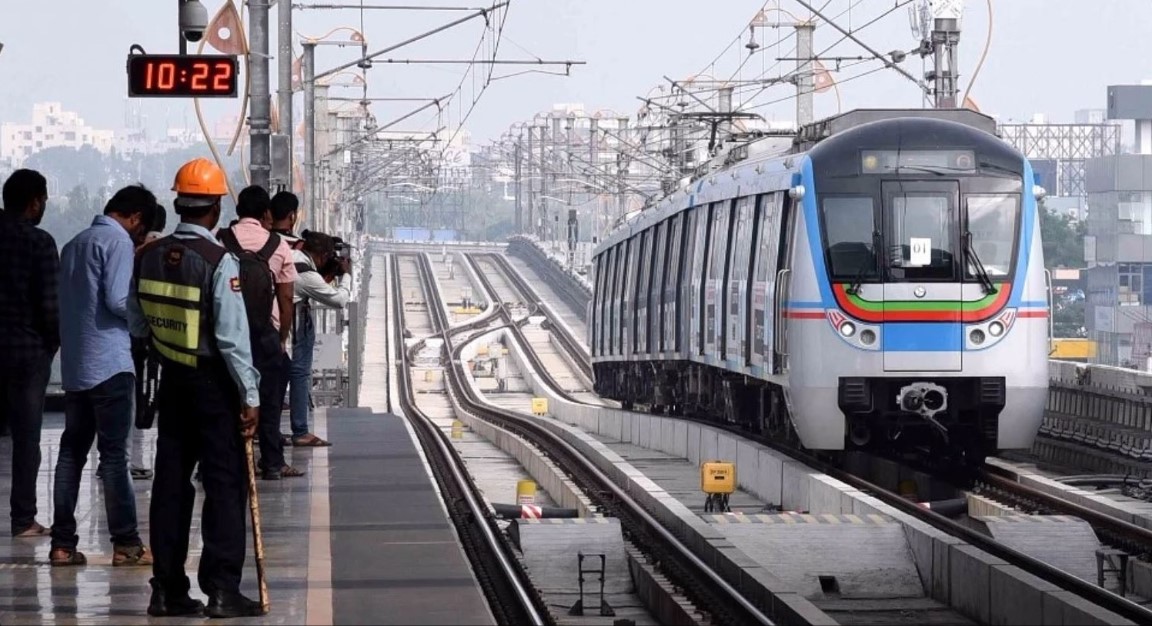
922, 337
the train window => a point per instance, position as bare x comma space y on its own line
849, 224
611, 304
768, 240
992, 222
742, 236
718, 249
921, 229
628, 281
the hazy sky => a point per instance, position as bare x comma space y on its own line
1049, 56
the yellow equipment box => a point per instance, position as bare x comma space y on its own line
540, 406
718, 477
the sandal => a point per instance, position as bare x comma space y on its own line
309, 441
64, 557
131, 556
290, 472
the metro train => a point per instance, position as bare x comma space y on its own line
875, 282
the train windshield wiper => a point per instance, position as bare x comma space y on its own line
858, 279
981, 273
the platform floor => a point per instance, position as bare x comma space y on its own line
362, 539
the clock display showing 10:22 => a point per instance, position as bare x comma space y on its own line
200, 76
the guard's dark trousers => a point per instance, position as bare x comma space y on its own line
198, 422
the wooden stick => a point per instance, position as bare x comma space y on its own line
257, 536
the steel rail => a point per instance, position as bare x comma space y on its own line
513, 602
721, 598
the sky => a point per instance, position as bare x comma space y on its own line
1046, 56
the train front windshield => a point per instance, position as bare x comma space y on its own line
904, 229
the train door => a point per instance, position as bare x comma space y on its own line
629, 312
687, 247
608, 336
671, 281
643, 274
765, 248
656, 287
714, 284
922, 292
623, 256
700, 276
734, 340
780, 289
595, 308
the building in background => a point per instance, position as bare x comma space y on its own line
51, 127
1118, 246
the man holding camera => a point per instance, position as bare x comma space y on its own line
317, 263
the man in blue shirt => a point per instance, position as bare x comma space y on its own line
98, 373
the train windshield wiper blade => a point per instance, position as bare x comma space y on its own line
981, 273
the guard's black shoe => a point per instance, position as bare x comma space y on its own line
224, 604
172, 604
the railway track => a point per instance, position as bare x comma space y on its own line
1116, 532
511, 596
706, 588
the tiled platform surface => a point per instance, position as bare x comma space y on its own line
362, 538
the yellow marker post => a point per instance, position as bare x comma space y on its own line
525, 492
457, 429
540, 406
717, 480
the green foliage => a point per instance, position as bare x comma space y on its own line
81, 180
1063, 239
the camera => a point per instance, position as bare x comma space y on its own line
193, 20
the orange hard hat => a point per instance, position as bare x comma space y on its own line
200, 177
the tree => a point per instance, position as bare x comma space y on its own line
1063, 239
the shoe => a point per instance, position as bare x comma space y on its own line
131, 556
224, 604
36, 529
66, 557
270, 475
172, 605
139, 473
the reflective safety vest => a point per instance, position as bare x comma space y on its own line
174, 287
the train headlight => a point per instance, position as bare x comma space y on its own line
847, 329
996, 329
977, 336
867, 337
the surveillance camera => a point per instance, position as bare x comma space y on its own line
193, 20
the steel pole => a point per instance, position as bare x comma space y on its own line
309, 70
804, 83
260, 108
284, 82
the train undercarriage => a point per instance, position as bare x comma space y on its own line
950, 421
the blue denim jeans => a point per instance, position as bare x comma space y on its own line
300, 373
104, 414
23, 382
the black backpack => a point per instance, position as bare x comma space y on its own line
258, 286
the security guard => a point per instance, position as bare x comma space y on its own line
186, 298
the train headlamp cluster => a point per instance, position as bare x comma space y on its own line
989, 333
855, 333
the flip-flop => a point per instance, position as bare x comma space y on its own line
309, 441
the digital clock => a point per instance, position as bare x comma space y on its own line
182, 76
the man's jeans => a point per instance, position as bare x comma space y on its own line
300, 373
23, 384
104, 413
